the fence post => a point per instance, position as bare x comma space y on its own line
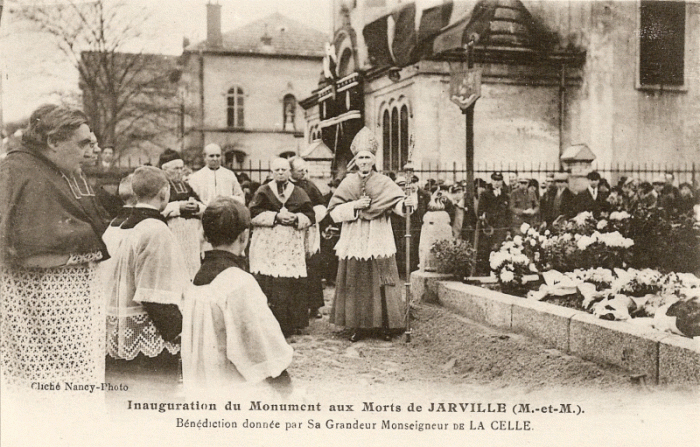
692, 176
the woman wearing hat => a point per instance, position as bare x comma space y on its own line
183, 211
367, 293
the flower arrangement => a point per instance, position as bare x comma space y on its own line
454, 257
516, 258
584, 223
568, 252
668, 302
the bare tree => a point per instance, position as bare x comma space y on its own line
131, 97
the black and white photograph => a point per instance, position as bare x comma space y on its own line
349, 222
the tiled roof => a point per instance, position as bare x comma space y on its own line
286, 37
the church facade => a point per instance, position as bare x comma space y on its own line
617, 76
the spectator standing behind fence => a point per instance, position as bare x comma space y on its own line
281, 213
183, 211
559, 201
213, 179
51, 306
686, 199
592, 198
464, 221
524, 205
646, 196
494, 211
665, 195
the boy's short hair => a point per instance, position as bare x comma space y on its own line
224, 220
147, 182
124, 190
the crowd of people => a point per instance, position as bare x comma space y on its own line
218, 272
192, 269
499, 208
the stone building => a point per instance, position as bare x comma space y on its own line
242, 88
618, 76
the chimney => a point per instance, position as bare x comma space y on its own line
214, 38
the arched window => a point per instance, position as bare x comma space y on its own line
234, 107
386, 134
289, 112
347, 63
403, 137
395, 137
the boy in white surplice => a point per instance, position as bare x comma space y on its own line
148, 276
229, 334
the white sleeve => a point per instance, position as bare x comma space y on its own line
302, 221
344, 213
264, 219
320, 212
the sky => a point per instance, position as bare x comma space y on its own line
34, 71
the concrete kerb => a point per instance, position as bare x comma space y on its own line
661, 357
424, 286
679, 360
483, 305
631, 347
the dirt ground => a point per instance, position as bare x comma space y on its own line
447, 354
445, 351
450, 360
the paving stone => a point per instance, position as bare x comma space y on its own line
679, 360
478, 304
634, 348
546, 322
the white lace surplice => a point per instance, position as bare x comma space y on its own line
188, 233
279, 250
363, 239
147, 266
51, 325
229, 334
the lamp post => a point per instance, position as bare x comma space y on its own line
465, 89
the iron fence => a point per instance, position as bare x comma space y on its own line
687, 172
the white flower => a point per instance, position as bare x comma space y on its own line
619, 215
581, 218
507, 276
602, 224
496, 259
584, 242
532, 232
518, 240
524, 227
533, 268
547, 232
533, 242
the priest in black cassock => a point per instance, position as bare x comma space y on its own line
184, 211
314, 268
281, 212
